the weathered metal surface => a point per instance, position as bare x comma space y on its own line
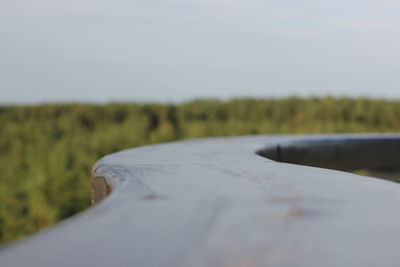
215, 202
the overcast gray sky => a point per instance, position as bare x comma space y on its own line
172, 50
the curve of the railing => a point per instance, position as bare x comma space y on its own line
215, 202
349, 152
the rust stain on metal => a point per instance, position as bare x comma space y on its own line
100, 189
298, 212
150, 197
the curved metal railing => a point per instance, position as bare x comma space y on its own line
216, 202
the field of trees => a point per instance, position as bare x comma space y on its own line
47, 151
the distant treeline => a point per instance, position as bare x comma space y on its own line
47, 151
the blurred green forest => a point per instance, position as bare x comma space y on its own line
47, 151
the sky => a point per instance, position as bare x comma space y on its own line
175, 50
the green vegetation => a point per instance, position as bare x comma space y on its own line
47, 151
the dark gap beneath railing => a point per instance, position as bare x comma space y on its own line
377, 157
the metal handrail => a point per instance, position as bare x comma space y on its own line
216, 202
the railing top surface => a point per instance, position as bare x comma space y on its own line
215, 202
